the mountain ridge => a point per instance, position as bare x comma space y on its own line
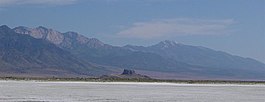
166, 56
23, 54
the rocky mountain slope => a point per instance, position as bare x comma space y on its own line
200, 56
25, 55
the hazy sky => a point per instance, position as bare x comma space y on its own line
233, 26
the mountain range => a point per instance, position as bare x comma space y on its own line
46, 52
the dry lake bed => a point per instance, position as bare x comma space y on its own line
36, 91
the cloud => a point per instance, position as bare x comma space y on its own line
38, 2
176, 27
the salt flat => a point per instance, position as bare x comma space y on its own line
19, 91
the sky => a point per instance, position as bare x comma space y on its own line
233, 26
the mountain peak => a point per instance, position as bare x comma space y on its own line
4, 27
170, 42
167, 43
22, 30
21, 27
41, 33
41, 27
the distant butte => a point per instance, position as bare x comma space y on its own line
126, 74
